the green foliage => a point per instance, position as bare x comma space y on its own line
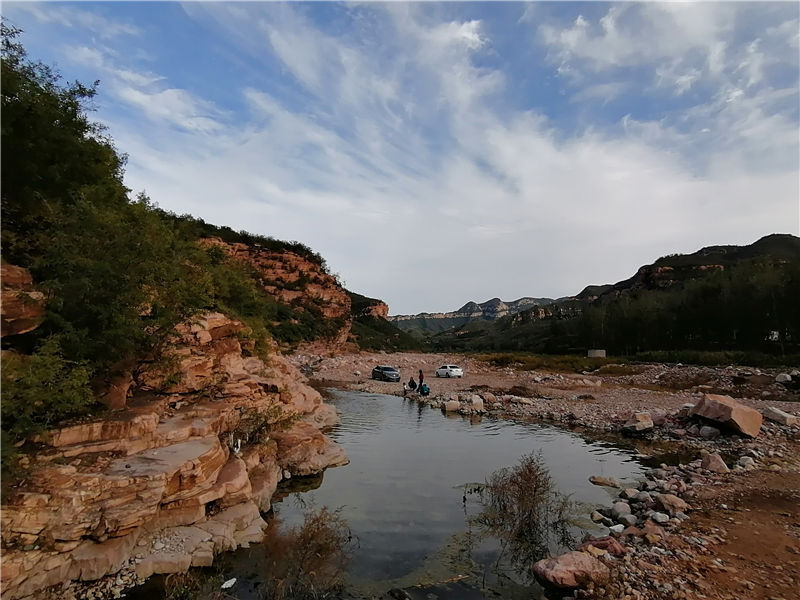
373, 333
749, 307
195, 228
719, 358
117, 274
193, 585
307, 562
523, 508
737, 308
530, 362
43, 389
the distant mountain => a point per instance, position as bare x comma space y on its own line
491, 310
675, 269
718, 297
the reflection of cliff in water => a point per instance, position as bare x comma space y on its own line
297, 485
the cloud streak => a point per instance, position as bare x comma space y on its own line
393, 144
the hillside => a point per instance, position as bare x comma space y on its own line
423, 324
94, 281
148, 414
718, 298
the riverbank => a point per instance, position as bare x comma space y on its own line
739, 535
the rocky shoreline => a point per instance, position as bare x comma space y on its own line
179, 470
655, 547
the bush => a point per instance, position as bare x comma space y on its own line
531, 362
523, 509
308, 562
42, 389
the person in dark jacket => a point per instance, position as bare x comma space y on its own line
421, 377
412, 385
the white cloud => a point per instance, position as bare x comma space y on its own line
606, 92
75, 18
398, 159
174, 106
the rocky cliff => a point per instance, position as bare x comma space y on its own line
177, 473
22, 305
297, 281
675, 269
491, 310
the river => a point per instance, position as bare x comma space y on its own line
403, 493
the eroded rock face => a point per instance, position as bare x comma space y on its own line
379, 310
727, 411
303, 450
22, 306
571, 570
188, 453
290, 277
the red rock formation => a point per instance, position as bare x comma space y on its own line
379, 310
187, 458
727, 411
571, 570
21, 306
289, 278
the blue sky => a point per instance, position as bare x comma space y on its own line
437, 153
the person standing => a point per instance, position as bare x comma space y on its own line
421, 378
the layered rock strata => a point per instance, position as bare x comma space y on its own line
180, 472
22, 306
295, 280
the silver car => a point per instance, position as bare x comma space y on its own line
385, 373
449, 371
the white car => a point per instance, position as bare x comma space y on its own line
449, 371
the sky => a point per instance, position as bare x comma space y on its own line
436, 153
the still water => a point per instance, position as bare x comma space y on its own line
402, 494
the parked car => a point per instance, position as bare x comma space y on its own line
449, 371
384, 373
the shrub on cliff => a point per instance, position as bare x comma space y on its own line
117, 273
42, 389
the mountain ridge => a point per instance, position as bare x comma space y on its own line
490, 310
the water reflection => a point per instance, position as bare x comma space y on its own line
523, 509
403, 498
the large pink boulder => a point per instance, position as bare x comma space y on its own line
729, 412
570, 570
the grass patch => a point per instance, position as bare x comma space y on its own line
620, 369
547, 362
721, 358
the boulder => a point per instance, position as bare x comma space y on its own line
619, 509
607, 543
451, 406
709, 433
640, 422
783, 378
570, 570
746, 462
303, 450
776, 415
604, 481
727, 411
671, 503
713, 462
